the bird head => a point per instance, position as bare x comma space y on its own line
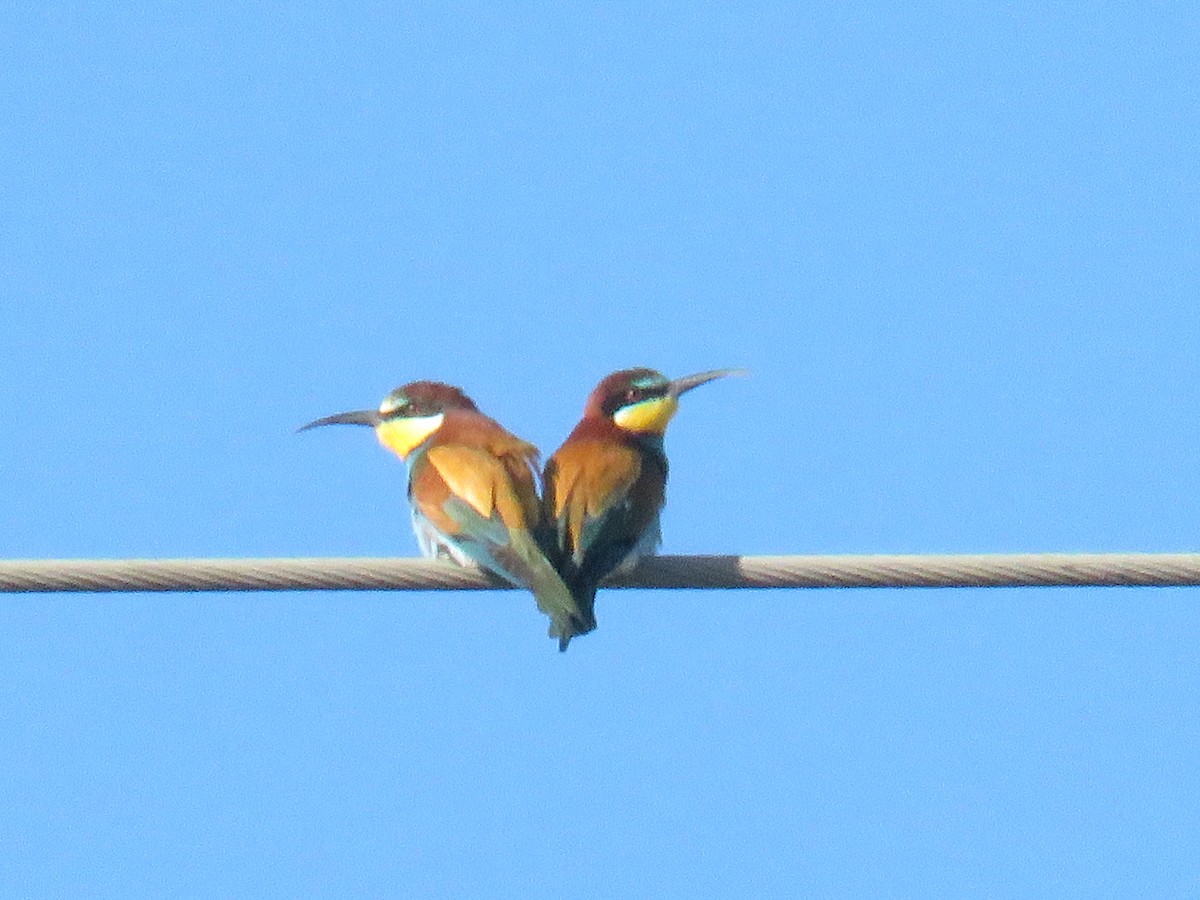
407, 417
643, 401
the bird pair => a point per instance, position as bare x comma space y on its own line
473, 486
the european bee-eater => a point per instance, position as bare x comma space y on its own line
473, 490
605, 486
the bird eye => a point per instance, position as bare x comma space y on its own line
396, 409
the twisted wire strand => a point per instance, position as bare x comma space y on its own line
718, 572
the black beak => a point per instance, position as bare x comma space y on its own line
357, 417
687, 382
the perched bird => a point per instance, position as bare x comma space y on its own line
473, 490
605, 486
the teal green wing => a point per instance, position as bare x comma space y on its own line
471, 496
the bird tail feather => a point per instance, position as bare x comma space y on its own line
554, 598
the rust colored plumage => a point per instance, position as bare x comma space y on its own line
606, 485
475, 459
473, 490
602, 471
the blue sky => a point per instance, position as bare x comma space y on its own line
956, 247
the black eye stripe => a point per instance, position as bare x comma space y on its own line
411, 409
632, 395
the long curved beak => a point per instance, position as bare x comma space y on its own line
357, 417
687, 382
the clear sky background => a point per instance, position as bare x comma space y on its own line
956, 245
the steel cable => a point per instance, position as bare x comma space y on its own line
721, 572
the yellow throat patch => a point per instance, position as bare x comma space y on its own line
403, 436
650, 415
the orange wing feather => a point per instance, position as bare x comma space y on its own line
474, 458
589, 477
